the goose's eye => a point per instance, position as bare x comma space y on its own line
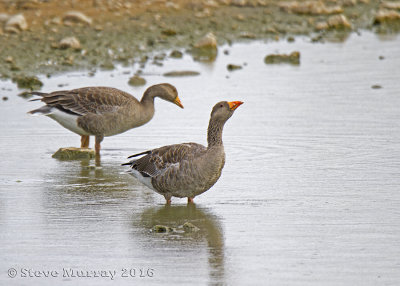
221, 105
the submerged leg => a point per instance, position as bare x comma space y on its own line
98, 140
190, 200
168, 202
85, 141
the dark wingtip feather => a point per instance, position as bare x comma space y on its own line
42, 94
143, 153
126, 164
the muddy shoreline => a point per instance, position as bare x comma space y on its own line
123, 32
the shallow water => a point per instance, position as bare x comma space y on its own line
309, 194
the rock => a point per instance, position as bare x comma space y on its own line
28, 82
188, 227
348, 3
73, 153
4, 17
232, 67
136, 81
205, 49
334, 22
15, 24
290, 39
181, 73
160, 57
70, 42
321, 26
211, 3
68, 61
209, 41
56, 21
376, 86
12, 30
203, 14
5, 98
239, 3
76, 17
293, 58
107, 65
172, 5
240, 17
9, 60
338, 22
309, 7
162, 228
168, 32
386, 16
176, 54
247, 35
395, 5
98, 28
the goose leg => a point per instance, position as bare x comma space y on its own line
190, 200
85, 141
98, 140
167, 199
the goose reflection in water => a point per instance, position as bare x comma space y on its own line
74, 183
210, 230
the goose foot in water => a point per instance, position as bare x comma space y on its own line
190, 200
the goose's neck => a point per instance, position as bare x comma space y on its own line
214, 133
148, 98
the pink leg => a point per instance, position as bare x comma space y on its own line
85, 141
98, 140
97, 148
190, 200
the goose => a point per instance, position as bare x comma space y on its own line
187, 169
102, 111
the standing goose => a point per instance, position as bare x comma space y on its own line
187, 169
102, 111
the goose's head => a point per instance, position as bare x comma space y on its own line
165, 91
223, 110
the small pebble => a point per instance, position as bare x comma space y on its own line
181, 73
136, 81
176, 54
76, 17
70, 42
290, 39
16, 24
232, 67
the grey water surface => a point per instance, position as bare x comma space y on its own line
310, 193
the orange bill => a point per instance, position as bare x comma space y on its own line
178, 102
234, 104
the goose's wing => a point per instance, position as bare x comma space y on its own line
158, 161
82, 101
